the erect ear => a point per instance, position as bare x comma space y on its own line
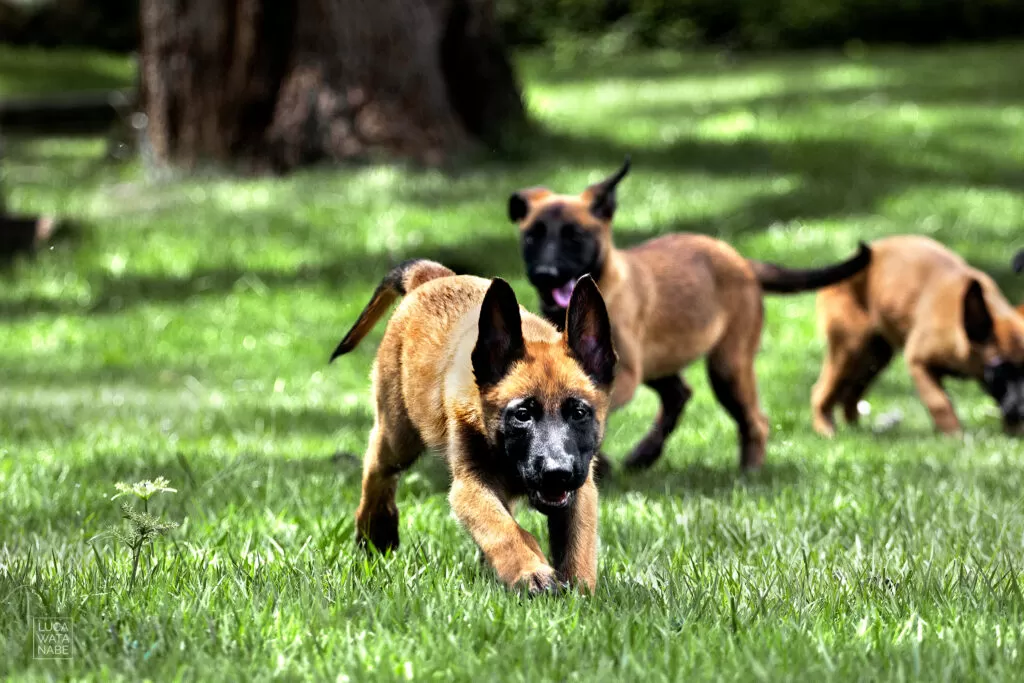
519, 202
978, 321
588, 332
499, 342
600, 197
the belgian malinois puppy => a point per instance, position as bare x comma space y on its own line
517, 408
950, 319
672, 300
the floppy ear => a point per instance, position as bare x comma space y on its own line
499, 342
519, 202
588, 332
978, 321
601, 196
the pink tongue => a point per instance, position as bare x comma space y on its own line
563, 293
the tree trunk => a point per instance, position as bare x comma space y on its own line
298, 81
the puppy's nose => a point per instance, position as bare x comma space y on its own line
545, 272
557, 475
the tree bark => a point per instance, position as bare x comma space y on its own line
294, 82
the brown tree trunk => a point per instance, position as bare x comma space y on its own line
291, 82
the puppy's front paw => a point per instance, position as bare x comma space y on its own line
378, 530
540, 579
645, 454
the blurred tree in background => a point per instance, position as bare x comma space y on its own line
103, 24
289, 83
292, 83
762, 24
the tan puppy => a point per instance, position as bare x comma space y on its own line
672, 300
517, 408
950, 319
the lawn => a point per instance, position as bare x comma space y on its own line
186, 335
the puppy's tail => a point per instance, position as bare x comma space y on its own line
399, 281
780, 280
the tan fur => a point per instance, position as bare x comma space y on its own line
426, 396
911, 297
673, 300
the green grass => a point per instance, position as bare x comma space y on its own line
186, 335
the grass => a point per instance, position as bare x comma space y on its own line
186, 336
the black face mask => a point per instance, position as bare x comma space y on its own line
1004, 381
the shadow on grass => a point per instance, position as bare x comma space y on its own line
836, 176
703, 479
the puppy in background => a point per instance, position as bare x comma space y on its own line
672, 300
517, 408
950, 319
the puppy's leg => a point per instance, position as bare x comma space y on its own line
387, 456
674, 393
835, 383
514, 554
736, 389
847, 334
934, 396
574, 538
731, 372
876, 356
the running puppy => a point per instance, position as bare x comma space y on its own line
517, 408
672, 300
950, 319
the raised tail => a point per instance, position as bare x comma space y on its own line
399, 281
780, 280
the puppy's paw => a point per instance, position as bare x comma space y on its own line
645, 454
378, 531
824, 427
539, 579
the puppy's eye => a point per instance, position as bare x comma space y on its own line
522, 414
579, 412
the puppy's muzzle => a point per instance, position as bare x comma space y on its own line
557, 480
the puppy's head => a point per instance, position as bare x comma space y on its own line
564, 237
544, 403
999, 339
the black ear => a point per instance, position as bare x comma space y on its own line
588, 332
978, 321
602, 194
499, 342
1018, 262
518, 207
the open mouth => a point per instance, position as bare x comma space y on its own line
563, 294
553, 500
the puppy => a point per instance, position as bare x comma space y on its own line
672, 300
517, 408
950, 320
